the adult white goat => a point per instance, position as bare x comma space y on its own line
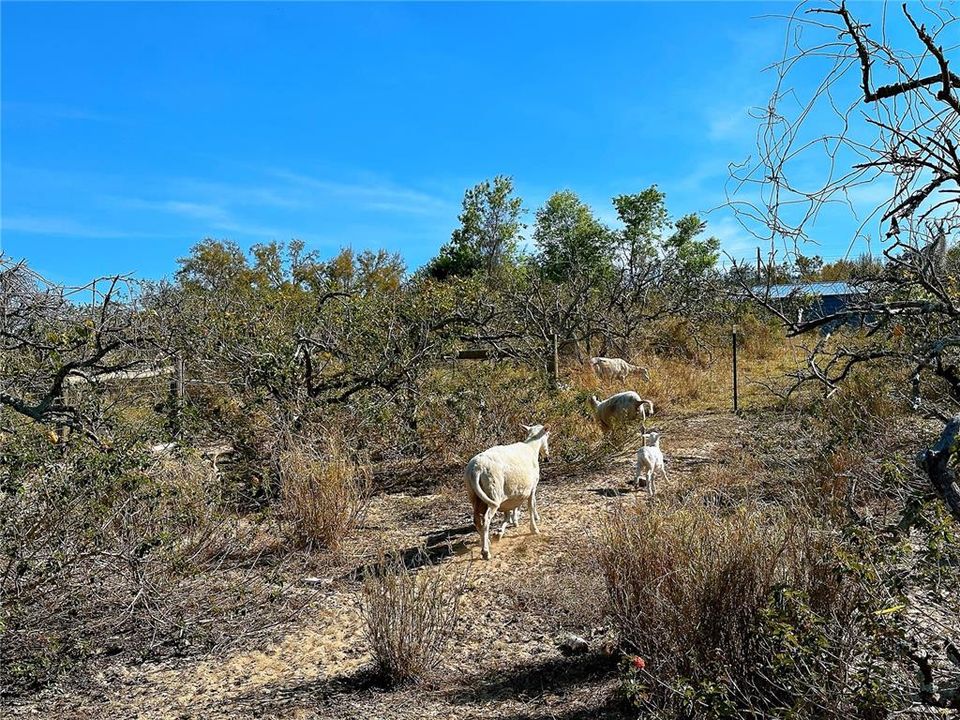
503, 478
616, 368
649, 462
618, 408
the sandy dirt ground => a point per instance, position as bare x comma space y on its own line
505, 661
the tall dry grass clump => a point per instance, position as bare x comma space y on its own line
410, 617
762, 338
686, 582
324, 493
738, 611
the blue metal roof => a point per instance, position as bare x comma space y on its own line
819, 289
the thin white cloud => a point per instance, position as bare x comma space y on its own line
730, 124
734, 240
229, 194
370, 195
869, 196
39, 225
34, 110
212, 217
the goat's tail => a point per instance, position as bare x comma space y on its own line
473, 480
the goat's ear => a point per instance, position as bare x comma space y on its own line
526, 427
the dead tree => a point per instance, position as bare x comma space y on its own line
53, 338
893, 117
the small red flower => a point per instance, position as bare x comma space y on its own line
638, 663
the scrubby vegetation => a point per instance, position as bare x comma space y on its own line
410, 618
160, 514
272, 439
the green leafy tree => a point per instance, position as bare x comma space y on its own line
490, 225
689, 255
570, 240
809, 267
647, 252
644, 217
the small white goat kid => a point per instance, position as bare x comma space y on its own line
649, 462
620, 407
503, 478
616, 368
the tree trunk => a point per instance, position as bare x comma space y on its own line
935, 462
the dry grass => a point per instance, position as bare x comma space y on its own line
684, 582
323, 494
687, 584
567, 594
479, 404
410, 617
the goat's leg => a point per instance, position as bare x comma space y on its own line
650, 482
479, 508
534, 515
485, 539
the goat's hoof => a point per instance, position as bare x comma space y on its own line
485, 554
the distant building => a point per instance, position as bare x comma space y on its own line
812, 300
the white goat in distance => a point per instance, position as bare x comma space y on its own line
649, 462
616, 368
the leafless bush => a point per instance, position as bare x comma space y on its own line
411, 616
100, 553
688, 581
324, 494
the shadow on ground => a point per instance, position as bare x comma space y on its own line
690, 461
614, 492
436, 546
608, 709
310, 694
414, 479
555, 675
528, 683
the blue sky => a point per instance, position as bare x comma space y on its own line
132, 131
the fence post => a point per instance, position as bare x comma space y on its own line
736, 407
180, 379
177, 393
553, 362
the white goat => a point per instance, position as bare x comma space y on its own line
649, 462
503, 478
616, 368
622, 406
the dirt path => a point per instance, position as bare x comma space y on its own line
506, 662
